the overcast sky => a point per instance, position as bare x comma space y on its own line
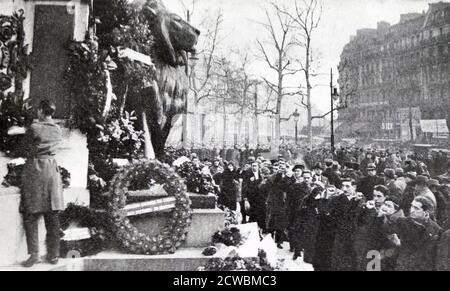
340, 20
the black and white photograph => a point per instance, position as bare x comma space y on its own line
224, 135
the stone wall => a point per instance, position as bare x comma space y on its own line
81, 10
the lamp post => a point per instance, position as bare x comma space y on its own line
296, 116
334, 97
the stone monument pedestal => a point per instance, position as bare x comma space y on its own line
205, 222
184, 259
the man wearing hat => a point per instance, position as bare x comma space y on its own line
367, 183
318, 174
382, 165
352, 171
420, 188
334, 176
327, 171
366, 162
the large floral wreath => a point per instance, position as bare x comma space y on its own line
171, 236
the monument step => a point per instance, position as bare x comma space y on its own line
205, 222
184, 259
188, 259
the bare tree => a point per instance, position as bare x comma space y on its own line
200, 78
231, 89
305, 20
243, 82
224, 91
279, 43
202, 64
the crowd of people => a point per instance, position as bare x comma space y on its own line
343, 208
238, 154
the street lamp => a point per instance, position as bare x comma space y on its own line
296, 116
334, 98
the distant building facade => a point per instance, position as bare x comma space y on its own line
396, 76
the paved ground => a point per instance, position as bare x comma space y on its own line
285, 258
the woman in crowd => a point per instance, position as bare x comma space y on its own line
229, 186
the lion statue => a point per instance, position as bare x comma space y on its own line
166, 97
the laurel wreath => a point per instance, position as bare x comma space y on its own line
173, 234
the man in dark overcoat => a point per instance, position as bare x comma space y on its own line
277, 220
344, 212
367, 184
418, 237
307, 222
299, 188
253, 201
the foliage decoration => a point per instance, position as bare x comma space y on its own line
197, 181
172, 236
171, 154
231, 217
238, 264
14, 66
229, 237
14, 176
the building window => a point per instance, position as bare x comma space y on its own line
440, 50
435, 33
